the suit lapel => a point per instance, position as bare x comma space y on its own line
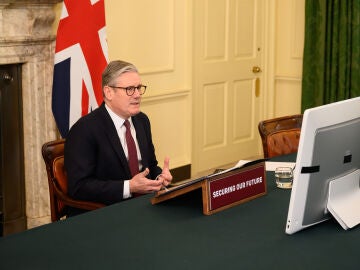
141, 139
113, 138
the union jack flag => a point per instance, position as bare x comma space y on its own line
81, 55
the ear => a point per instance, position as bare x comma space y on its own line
108, 92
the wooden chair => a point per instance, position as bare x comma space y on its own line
53, 154
281, 135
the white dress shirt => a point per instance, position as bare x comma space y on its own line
120, 128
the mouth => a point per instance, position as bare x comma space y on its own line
135, 103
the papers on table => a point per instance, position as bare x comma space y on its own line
269, 165
272, 165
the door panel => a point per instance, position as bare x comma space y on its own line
227, 45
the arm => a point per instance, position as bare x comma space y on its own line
95, 171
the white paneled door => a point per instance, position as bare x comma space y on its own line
228, 62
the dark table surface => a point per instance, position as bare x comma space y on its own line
176, 235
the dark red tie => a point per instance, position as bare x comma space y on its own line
132, 154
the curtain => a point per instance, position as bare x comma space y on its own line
331, 60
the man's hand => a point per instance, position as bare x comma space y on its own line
165, 175
142, 185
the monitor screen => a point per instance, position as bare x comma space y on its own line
329, 148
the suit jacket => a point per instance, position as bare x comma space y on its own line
95, 161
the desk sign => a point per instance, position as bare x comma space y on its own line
223, 190
235, 187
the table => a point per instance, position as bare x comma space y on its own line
176, 235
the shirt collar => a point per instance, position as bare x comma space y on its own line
118, 121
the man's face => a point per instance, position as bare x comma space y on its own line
123, 105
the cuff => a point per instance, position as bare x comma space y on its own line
126, 191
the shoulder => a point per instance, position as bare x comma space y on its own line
95, 120
141, 119
96, 115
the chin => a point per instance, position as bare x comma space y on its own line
134, 112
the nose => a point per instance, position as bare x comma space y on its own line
137, 93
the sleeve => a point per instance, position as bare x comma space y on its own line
92, 170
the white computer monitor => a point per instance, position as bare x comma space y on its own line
329, 149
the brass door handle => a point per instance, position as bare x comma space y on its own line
256, 69
257, 87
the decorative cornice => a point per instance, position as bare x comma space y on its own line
27, 2
26, 23
31, 40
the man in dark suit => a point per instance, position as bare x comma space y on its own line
97, 152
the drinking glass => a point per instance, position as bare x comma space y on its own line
284, 177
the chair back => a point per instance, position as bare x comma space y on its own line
53, 155
281, 135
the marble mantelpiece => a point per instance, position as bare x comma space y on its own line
27, 38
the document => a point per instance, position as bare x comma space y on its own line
238, 165
272, 165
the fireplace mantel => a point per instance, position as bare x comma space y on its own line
27, 37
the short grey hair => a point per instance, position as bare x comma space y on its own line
114, 69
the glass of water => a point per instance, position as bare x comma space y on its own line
284, 177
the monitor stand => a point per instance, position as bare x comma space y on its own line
344, 199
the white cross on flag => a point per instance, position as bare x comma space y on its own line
80, 57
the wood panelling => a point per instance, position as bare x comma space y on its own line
288, 60
155, 36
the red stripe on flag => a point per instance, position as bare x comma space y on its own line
81, 27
